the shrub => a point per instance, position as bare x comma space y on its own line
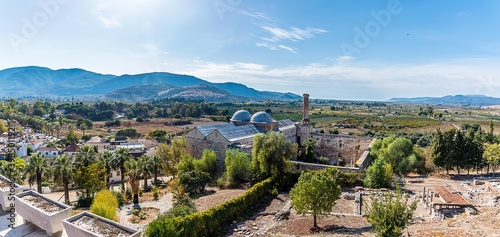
209, 222
139, 119
275, 192
194, 181
155, 193
119, 197
105, 204
128, 194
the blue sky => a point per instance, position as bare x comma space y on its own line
357, 50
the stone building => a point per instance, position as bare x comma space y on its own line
243, 127
241, 130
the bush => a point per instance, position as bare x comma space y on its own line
275, 192
105, 204
209, 222
155, 193
194, 181
119, 197
139, 119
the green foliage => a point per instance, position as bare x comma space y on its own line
128, 132
186, 164
456, 149
207, 163
316, 192
90, 180
390, 213
105, 204
14, 170
271, 153
378, 175
209, 222
171, 154
194, 181
71, 135
183, 206
38, 169
237, 166
309, 147
155, 193
120, 198
275, 192
400, 154
159, 135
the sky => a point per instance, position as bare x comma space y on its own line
332, 49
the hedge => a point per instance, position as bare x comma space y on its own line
209, 222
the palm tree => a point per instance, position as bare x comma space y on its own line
38, 168
63, 173
120, 156
86, 156
83, 127
157, 164
106, 157
134, 172
146, 169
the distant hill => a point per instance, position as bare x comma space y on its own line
159, 91
475, 100
75, 82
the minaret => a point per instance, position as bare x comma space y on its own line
305, 118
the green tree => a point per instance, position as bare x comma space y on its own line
207, 163
390, 213
71, 135
86, 155
400, 153
309, 149
316, 192
90, 180
237, 165
120, 156
106, 157
271, 153
491, 156
63, 171
378, 175
194, 181
38, 169
146, 167
172, 153
157, 164
134, 171
14, 170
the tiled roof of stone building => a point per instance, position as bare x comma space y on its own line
205, 130
285, 123
232, 133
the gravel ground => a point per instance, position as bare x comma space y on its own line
164, 204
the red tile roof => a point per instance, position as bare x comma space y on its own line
450, 198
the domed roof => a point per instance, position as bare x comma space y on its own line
241, 115
261, 117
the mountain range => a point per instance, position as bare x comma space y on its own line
475, 100
76, 82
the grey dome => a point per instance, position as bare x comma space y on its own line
261, 117
242, 116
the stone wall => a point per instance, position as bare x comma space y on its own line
342, 148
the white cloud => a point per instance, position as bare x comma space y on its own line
293, 50
294, 34
343, 81
109, 22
